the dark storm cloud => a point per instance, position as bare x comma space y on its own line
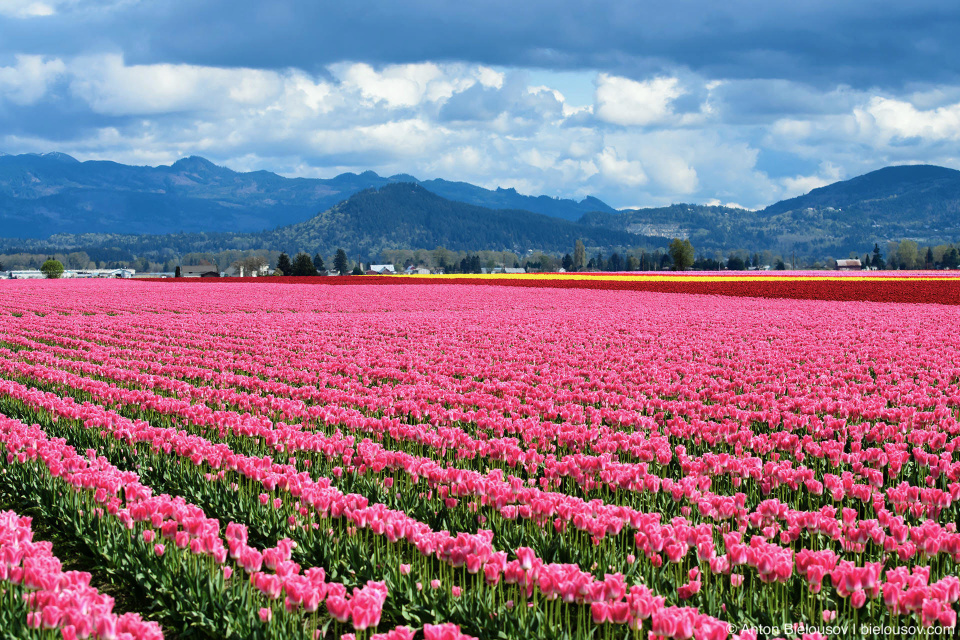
884, 43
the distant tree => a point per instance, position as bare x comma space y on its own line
736, 263
444, 259
357, 270
682, 254
664, 260
877, 261
567, 262
177, 273
633, 264
579, 256
1, 266
928, 262
907, 254
283, 264
52, 268
951, 258
704, 263
318, 263
548, 263
780, 266
644, 261
340, 262
615, 263
77, 260
303, 265
866, 261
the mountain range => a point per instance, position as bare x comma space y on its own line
52, 200
42, 195
917, 202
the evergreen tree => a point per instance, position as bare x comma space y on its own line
177, 273
877, 261
283, 264
318, 263
929, 260
340, 262
615, 263
579, 256
303, 265
951, 259
567, 262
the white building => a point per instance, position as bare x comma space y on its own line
383, 269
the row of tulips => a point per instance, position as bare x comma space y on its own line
919, 288
623, 476
760, 556
598, 521
765, 455
474, 553
717, 391
37, 593
113, 505
863, 396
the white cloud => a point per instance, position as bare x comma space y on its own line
403, 85
901, 119
25, 9
628, 102
399, 139
489, 77
111, 87
716, 202
652, 143
799, 185
673, 173
620, 171
29, 79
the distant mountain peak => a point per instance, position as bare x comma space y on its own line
62, 157
194, 163
403, 177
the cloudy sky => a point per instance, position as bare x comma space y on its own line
638, 103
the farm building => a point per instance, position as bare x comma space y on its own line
200, 271
849, 265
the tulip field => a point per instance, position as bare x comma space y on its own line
451, 459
